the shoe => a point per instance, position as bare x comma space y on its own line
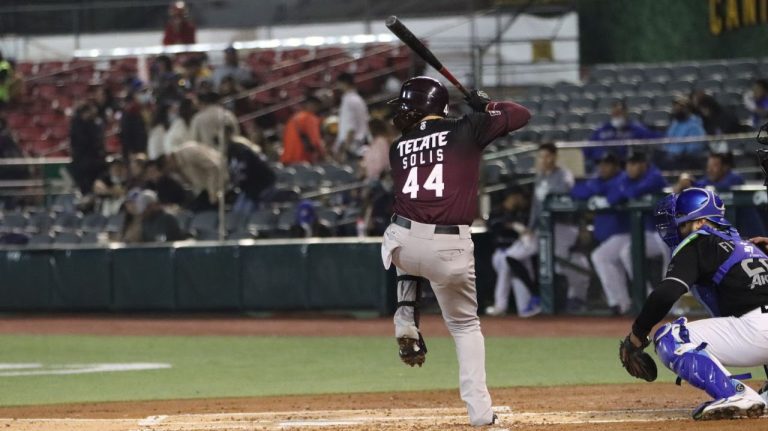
495, 420
743, 404
575, 306
533, 308
493, 311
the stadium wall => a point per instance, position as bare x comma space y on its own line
620, 31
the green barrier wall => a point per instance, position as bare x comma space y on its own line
343, 274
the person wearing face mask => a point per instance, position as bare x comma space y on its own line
619, 127
685, 124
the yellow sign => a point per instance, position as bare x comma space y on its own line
728, 15
542, 50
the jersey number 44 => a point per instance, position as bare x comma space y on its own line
434, 181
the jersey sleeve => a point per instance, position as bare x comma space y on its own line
499, 119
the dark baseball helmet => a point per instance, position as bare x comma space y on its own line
419, 97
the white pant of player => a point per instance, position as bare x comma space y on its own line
612, 260
448, 262
525, 248
734, 341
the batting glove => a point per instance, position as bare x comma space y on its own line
477, 100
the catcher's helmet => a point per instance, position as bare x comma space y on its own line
690, 204
419, 97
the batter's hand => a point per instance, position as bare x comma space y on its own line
478, 100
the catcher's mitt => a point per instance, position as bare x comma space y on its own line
637, 363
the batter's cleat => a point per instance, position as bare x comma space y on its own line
412, 352
742, 404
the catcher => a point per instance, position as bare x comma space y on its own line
729, 276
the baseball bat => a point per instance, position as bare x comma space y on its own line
404, 34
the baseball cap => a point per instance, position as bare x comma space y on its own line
637, 156
609, 157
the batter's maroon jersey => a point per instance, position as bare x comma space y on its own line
435, 164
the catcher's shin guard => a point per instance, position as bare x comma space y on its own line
412, 349
692, 363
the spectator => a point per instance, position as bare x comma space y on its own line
211, 120
302, 142
307, 225
756, 101
611, 227
200, 166
86, 140
165, 80
685, 181
231, 68
109, 189
147, 221
550, 179
181, 124
353, 118
179, 30
133, 130
684, 124
169, 191
9, 149
249, 172
720, 176
620, 127
640, 178
6, 80
106, 104
719, 173
195, 76
156, 143
228, 90
375, 160
716, 120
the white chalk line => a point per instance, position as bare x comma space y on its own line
327, 419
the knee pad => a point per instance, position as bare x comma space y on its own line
691, 362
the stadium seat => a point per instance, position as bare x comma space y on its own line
494, 172
235, 221
284, 221
531, 104
40, 239
89, 238
40, 222
526, 135
568, 119
639, 103
745, 69
664, 102
13, 221
204, 221
648, 88
658, 119
596, 90
553, 106
686, 72
115, 223
581, 105
285, 176
66, 238
630, 74
307, 179
709, 86
64, 202
285, 194
737, 85
538, 91
729, 99
596, 119
240, 235
658, 74
604, 104
67, 221
554, 135
541, 120
93, 222
339, 175
602, 75
580, 134
713, 71
329, 216
207, 235
624, 89
262, 221
568, 90
682, 87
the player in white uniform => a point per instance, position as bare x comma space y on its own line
729, 276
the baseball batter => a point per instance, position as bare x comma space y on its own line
729, 276
435, 170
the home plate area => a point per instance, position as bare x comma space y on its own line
380, 419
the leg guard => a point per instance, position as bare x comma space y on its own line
692, 363
412, 348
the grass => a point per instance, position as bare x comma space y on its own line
255, 366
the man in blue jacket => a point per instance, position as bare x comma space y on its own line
618, 128
611, 226
640, 178
720, 176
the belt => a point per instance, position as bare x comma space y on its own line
439, 228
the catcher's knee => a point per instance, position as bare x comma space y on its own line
690, 362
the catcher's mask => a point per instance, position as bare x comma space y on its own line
691, 204
419, 97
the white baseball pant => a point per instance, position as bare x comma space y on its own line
734, 341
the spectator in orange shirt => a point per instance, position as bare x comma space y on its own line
179, 30
301, 139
